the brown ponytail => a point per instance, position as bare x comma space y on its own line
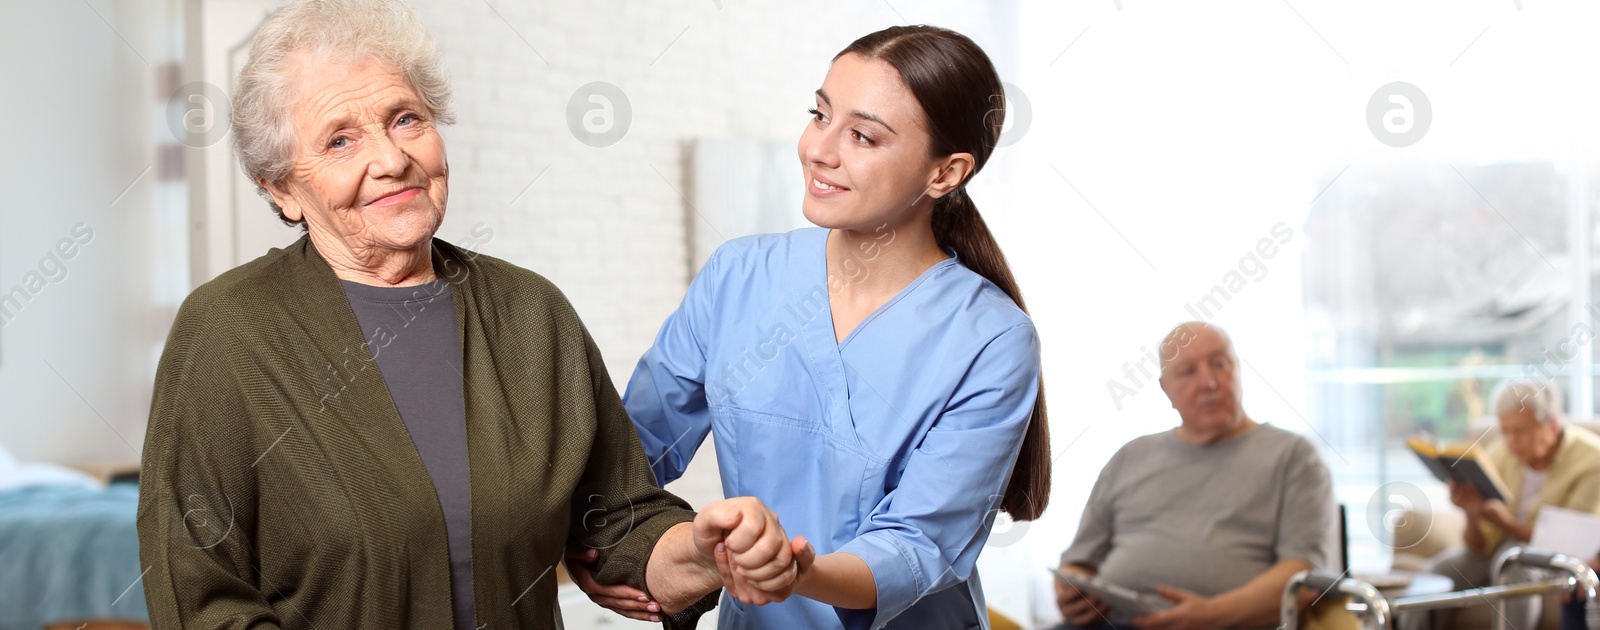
961, 94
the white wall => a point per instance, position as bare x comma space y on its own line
82, 119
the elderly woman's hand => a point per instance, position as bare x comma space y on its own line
749, 546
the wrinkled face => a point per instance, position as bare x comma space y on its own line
1528, 439
864, 154
1200, 378
369, 166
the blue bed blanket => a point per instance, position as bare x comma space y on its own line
67, 553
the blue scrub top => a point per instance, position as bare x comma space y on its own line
895, 445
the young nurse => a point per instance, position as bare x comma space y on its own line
874, 380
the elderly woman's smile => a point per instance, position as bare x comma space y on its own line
368, 172
395, 198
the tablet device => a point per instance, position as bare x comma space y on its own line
1125, 603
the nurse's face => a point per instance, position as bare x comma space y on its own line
865, 152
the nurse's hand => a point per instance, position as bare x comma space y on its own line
619, 598
745, 591
757, 549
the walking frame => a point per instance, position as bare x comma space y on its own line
1377, 611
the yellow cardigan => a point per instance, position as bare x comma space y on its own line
1574, 481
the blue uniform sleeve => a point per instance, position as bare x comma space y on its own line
925, 535
666, 397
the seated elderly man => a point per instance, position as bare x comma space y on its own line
1215, 515
1543, 463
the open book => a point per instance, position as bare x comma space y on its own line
1464, 463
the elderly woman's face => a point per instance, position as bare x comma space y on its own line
369, 166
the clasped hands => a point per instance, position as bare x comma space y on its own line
739, 538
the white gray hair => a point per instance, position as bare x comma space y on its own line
1540, 396
386, 31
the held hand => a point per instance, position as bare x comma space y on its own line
743, 590
758, 550
1077, 607
1191, 611
619, 598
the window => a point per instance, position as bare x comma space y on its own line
1426, 286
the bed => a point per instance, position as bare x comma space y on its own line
69, 551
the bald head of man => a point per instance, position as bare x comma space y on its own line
1199, 374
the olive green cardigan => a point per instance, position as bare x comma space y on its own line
280, 487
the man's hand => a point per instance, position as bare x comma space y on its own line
1191, 611
1077, 607
1467, 498
1479, 509
619, 598
1496, 513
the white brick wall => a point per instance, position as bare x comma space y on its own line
601, 222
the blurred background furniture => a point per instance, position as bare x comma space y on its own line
69, 551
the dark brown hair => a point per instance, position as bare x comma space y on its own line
961, 95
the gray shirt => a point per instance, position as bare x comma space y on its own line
1206, 518
412, 334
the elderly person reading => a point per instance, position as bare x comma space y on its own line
374, 428
1215, 515
1544, 463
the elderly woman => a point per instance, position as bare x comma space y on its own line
374, 428
1544, 463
